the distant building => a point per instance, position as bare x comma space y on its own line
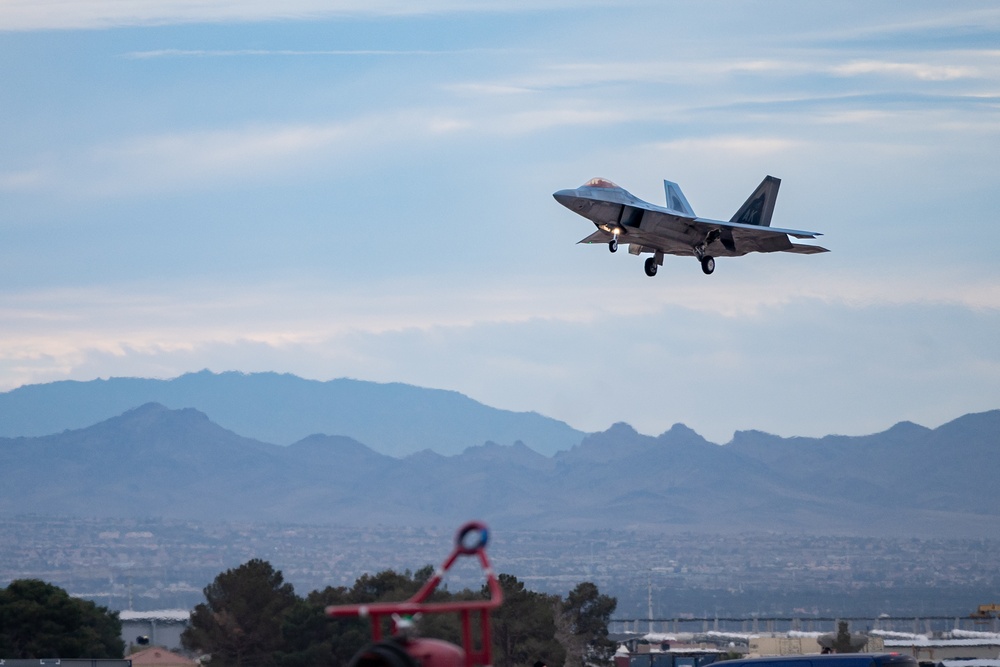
799, 643
931, 649
161, 628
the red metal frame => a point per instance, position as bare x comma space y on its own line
416, 605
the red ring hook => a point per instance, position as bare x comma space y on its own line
481, 540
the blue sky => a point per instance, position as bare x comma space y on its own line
363, 189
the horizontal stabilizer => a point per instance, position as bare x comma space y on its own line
803, 249
597, 237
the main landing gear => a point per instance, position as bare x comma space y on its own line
651, 266
707, 261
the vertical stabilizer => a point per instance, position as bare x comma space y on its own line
676, 201
758, 208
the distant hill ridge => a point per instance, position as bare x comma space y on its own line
154, 461
395, 419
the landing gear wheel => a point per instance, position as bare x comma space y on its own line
707, 264
651, 267
613, 245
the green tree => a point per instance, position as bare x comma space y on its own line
39, 620
312, 639
583, 626
524, 627
242, 620
387, 585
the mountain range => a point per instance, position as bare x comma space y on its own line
178, 463
395, 419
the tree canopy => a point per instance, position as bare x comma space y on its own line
251, 618
524, 627
40, 620
585, 614
240, 622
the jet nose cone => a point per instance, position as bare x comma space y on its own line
565, 197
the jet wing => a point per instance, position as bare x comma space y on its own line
740, 239
797, 233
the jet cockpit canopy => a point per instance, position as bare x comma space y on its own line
600, 183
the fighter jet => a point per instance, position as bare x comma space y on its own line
674, 229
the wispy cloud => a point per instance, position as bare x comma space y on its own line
226, 150
282, 314
922, 71
537, 120
28, 179
921, 30
97, 14
733, 145
200, 159
696, 69
239, 53
590, 74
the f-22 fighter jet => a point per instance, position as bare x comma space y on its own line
674, 229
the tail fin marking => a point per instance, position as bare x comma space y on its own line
757, 209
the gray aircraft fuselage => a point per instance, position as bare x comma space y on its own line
674, 229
